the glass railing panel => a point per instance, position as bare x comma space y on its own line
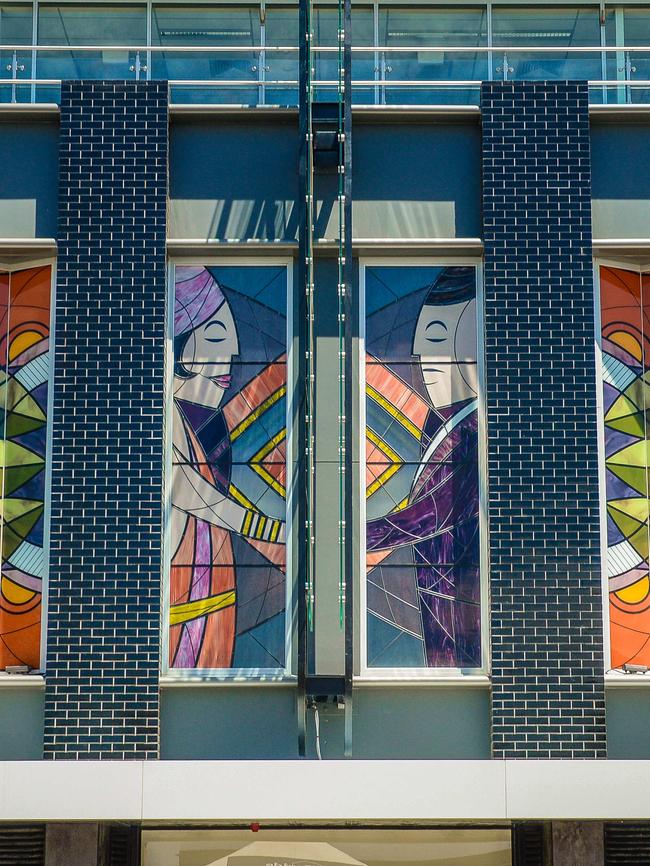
418, 67
281, 66
14, 66
548, 66
364, 69
86, 64
627, 67
210, 66
639, 70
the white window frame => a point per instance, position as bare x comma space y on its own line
419, 675
13, 267
227, 675
613, 676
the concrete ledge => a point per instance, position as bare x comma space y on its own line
29, 110
362, 791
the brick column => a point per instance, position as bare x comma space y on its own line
545, 568
107, 457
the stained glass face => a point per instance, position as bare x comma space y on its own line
422, 484
228, 490
24, 382
625, 324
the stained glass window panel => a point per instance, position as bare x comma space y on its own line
229, 488
625, 330
24, 385
422, 558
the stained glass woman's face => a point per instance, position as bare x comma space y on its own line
208, 355
445, 341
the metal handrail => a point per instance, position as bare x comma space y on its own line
359, 49
371, 82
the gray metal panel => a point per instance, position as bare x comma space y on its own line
329, 637
233, 179
620, 180
28, 178
628, 711
222, 722
21, 724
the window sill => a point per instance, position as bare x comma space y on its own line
627, 681
21, 681
481, 681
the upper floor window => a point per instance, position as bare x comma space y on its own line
430, 27
97, 24
15, 24
542, 27
422, 556
227, 597
25, 296
216, 27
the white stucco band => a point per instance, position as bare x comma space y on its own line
229, 791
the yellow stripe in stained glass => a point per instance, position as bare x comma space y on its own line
394, 412
180, 613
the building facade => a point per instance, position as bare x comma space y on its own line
325, 524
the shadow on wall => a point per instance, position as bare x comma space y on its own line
237, 180
417, 180
233, 180
620, 180
28, 179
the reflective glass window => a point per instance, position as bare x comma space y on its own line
90, 25
425, 28
546, 27
215, 27
15, 29
15, 24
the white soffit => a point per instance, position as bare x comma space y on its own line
305, 790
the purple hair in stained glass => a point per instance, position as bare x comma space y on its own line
198, 297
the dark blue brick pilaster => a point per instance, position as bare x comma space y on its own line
545, 570
107, 459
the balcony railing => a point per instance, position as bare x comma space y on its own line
268, 75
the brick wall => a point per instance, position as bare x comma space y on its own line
546, 608
107, 458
